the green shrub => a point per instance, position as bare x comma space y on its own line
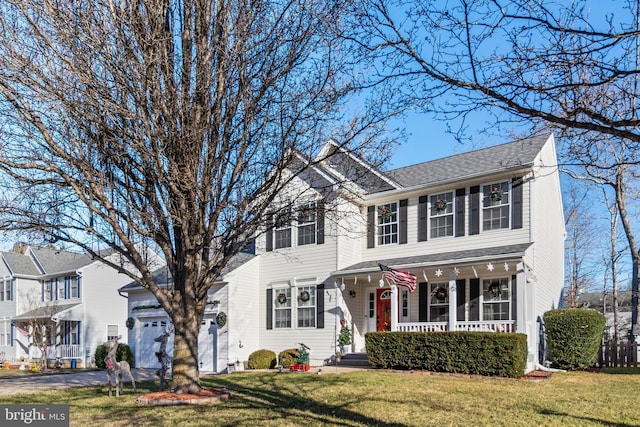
262, 359
574, 336
123, 352
483, 353
288, 357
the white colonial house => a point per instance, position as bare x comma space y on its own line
483, 231
72, 296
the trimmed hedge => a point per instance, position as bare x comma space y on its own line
123, 352
288, 357
483, 353
574, 336
262, 359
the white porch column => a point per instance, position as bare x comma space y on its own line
520, 289
453, 301
394, 308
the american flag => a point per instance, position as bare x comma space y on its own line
399, 277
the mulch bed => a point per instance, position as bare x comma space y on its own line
203, 397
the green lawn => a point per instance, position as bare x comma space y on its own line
380, 398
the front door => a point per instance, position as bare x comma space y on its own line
383, 310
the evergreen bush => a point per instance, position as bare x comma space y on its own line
574, 336
262, 359
483, 353
288, 357
123, 352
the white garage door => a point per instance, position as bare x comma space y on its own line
147, 347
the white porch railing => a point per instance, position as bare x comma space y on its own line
63, 351
482, 326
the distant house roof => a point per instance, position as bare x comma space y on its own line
463, 256
512, 155
20, 265
54, 261
162, 276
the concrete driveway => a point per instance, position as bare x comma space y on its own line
36, 383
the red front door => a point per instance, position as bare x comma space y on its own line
383, 310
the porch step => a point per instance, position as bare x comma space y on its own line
355, 360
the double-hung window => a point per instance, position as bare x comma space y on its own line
307, 224
438, 302
495, 206
441, 213
388, 223
74, 287
60, 287
282, 308
282, 234
306, 306
496, 299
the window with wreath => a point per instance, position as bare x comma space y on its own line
306, 302
282, 308
441, 214
307, 224
495, 206
387, 223
438, 302
282, 232
496, 299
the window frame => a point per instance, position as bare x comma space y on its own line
489, 220
434, 303
307, 222
282, 234
388, 229
436, 217
282, 323
503, 301
309, 306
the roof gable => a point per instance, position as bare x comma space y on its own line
53, 261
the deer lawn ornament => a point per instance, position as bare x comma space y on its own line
163, 357
116, 368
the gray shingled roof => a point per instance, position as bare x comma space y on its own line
56, 261
20, 264
488, 160
163, 277
440, 258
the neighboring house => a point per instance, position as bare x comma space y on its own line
483, 232
74, 297
603, 302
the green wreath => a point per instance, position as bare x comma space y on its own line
495, 290
282, 298
441, 205
441, 293
496, 194
221, 319
304, 296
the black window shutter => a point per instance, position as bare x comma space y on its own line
269, 308
423, 219
402, 226
320, 222
474, 210
460, 299
460, 211
269, 233
423, 300
371, 227
474, 300
516, 203
320, 306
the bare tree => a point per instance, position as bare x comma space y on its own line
524, 61
42, 331
172, 123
